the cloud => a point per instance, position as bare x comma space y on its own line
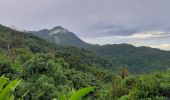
103, 29
151, 39
147, 35
134, 37
162, 46
79, 15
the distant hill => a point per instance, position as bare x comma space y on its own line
61, 36
138, 59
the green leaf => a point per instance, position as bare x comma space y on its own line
62, 97
81, 93
5, 94
3, 81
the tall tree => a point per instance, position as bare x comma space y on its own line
16, 39
123, 71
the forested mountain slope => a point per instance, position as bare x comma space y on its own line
14, 39
61, 36
138, 59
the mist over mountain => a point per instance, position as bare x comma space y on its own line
61, 36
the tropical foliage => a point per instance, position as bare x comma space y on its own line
7, 89
51, 71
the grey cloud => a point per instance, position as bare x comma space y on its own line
107, 29
104, 29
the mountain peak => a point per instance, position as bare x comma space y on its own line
62, 36
57, 30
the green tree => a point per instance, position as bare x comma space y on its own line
123, 71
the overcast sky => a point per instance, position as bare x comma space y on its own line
138, 22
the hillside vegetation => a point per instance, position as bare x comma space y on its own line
138, 59
47, 70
